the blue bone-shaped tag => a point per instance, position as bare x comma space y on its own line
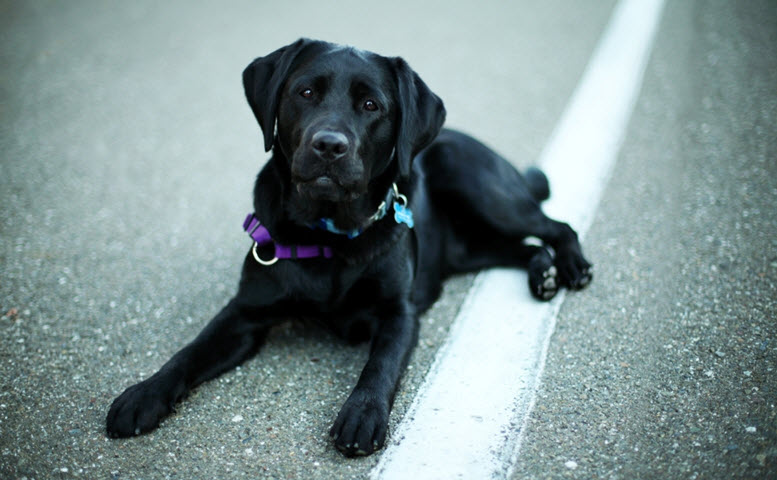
402, 214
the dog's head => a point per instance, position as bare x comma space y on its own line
340, 116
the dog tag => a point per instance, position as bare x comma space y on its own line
402, 214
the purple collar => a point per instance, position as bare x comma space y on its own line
261, 237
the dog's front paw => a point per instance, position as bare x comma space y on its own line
360, 428
139, 409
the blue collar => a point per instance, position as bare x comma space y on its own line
402, 214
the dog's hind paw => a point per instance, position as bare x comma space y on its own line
575, 271
543, 276
546, 287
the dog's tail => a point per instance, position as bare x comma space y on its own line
538, 184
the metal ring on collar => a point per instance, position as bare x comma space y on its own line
399, 196
266, 263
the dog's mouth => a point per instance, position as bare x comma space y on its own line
325, 188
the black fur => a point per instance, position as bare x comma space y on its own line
349, 125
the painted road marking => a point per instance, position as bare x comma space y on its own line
468, 418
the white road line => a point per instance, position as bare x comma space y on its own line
468, 418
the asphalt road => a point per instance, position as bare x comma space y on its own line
665, 368
128, 158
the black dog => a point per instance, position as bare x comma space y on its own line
365, 207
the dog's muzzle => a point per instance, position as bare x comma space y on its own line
325, 188
330, 145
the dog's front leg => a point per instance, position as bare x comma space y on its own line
361, 425
234, 335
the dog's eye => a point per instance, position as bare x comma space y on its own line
306, 93
370, 106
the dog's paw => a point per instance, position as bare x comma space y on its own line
543, 276
139, 409
361, 425
544, 285
574, 270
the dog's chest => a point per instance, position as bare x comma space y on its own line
333, 290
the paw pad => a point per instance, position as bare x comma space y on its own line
545, 288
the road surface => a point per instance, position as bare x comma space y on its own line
128, 159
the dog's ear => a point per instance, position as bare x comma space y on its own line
263, 80
421, 115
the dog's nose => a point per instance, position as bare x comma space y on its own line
330, 145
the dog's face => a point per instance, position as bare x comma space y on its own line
344, 118
337, 120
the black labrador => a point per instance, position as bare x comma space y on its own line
365, 207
